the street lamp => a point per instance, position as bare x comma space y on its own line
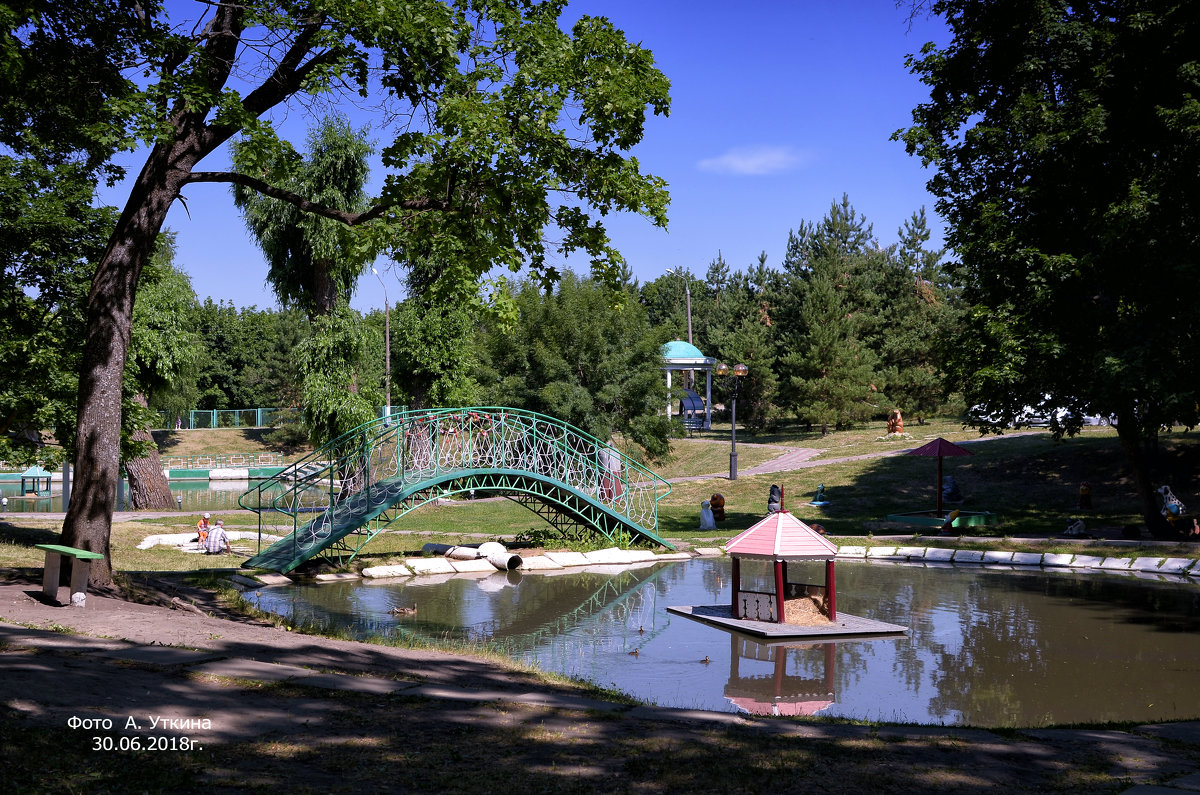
387, 349
738, 371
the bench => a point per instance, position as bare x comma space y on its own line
80, 566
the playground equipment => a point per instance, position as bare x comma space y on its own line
338, 498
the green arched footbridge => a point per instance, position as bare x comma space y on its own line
334, 501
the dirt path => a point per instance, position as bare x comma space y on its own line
794, 458
265, 708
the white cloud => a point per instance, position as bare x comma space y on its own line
753, 160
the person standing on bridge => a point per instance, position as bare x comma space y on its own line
611, 485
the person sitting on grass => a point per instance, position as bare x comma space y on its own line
217, 542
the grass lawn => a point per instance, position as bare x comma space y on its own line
1029, 480
220, 441
691, 457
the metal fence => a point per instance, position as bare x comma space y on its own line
223, 461
221, 418
238, 418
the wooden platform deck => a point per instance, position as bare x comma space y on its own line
846, 626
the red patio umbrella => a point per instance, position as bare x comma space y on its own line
939, 447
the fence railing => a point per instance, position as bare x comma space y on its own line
220, 418
237, 418
223, 461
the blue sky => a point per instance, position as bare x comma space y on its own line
778, 108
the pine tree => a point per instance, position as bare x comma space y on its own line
831, 372
831, 377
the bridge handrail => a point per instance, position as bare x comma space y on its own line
335, 468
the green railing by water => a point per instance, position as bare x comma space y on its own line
223, 461
334, 501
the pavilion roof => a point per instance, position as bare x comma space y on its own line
781, 536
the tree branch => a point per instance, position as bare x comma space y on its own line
285, 80
305, 205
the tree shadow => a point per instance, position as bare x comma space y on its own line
1031, 482
27, 536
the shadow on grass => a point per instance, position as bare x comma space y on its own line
1030, 482
27, 536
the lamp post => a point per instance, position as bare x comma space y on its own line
387, 349
739, 371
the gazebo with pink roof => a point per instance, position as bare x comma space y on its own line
780, 538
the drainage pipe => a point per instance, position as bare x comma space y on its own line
500, 557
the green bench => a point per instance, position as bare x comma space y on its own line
80, 566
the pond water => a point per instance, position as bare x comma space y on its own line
197, 495
985, 647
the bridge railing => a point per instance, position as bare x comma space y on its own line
387, 455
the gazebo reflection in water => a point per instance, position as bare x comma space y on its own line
759, 682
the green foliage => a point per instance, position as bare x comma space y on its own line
334, 402
49, 236
922, 310
65, 93
164, 349
583, 354
1066, 144
844, 332
832, 367
268, 375
1066, 172
289, 432
432, 352
833, 372
311, 260
505, 112
248, 356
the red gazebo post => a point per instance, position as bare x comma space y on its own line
939, 488
939, 447
779, 596
737, 583
831, 589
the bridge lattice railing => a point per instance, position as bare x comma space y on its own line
381, 459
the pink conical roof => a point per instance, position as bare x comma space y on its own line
940, 447
782, 536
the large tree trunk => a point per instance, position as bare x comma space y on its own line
148, 486
1133, 444
324, 289
110, 303
88, 523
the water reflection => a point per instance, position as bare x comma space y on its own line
985, 647
761, 683
189, 496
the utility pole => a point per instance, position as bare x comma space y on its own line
387, 349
